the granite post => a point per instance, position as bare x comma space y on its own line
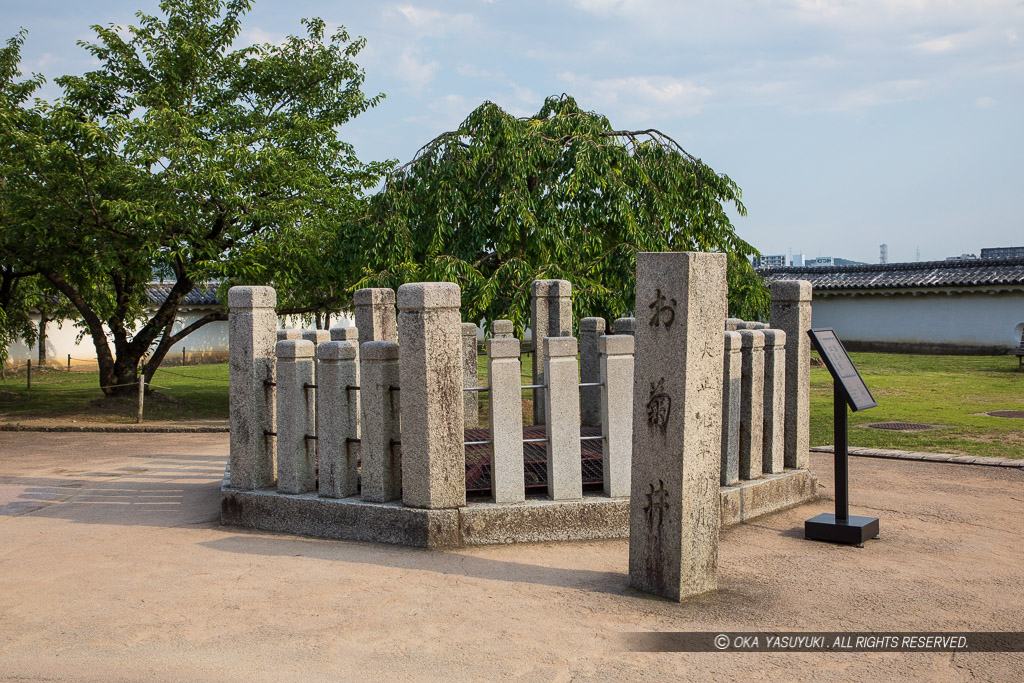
773, 461
433, 446
375, 315
751, 403
380, 449
251, 368
591, 330
616, 368
339, 333
791, 313
731, 388
731, 323
506, 420
624, 326
337, 418
551, 316
470, 377
562, 417
296, 453
289, 333
317, 337
677, 429
502, 329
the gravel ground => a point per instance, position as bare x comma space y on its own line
113, 566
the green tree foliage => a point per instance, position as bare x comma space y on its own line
503, 201
20, 291
182, 156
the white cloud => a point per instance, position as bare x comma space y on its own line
985, 102
432, 22
418, 74
259, 36
643, 97
877, 94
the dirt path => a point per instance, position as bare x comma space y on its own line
113, 566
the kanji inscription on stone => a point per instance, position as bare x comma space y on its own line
664, 310
657, 500
659, 406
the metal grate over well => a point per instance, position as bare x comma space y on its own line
901, 426
478, 459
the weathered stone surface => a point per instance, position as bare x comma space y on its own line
616, 374
375, 315
502, 329
485, 523
317, 336
506, 420
340, 333
774, 449
591, 330
551, 316
470, 377
433, 452
381, 446
251, 367
347, 518
296, 454
791, 313
289, 333
624, 326
752, 404
771, 493
565, 476
731, 323
337, 419
677, 429
731, 391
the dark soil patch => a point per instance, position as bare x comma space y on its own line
120, 404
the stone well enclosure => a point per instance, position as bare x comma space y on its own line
375, 433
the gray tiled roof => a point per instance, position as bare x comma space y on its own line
201, 295
972, 273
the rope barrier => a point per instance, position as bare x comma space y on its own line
178, 374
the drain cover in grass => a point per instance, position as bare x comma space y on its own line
1019, 414
900, 426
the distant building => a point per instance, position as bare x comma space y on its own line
770, 261
962, 257
830, 261
963, 306
1002, 252
797, 261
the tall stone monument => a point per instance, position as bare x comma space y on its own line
677, 428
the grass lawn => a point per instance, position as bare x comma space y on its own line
190, 392
938, 390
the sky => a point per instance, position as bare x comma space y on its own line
847, 123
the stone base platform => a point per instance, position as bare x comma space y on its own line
594, 517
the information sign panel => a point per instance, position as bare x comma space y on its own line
842, 369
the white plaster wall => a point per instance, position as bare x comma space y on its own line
208, 342
987, 319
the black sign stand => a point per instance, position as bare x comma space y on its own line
848, 388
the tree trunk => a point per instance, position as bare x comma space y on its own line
42, 338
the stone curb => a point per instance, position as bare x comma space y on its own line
125, 429
926, 457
